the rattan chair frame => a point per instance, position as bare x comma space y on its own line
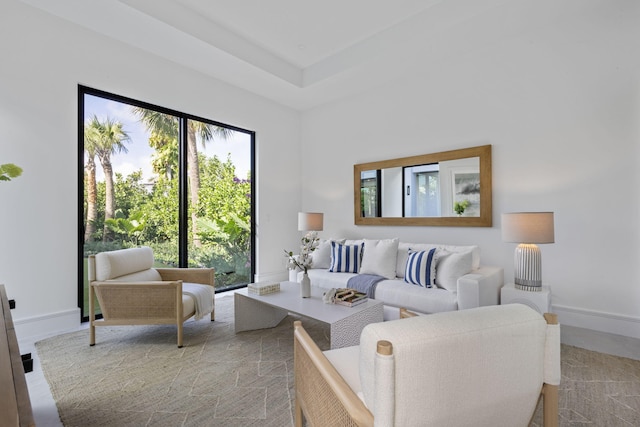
322, 397
144, 303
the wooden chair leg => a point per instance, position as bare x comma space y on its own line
298, 413
180, 327
550, 405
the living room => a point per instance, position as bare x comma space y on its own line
552, 86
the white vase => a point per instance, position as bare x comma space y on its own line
305, 286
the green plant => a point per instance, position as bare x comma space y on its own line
459, 207
9, 171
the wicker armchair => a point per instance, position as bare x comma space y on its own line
485, 366
131, 292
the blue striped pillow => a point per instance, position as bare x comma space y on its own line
345, 258
421, 268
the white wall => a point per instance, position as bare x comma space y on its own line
558, 101
43, 60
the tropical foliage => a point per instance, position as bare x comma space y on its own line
124, 211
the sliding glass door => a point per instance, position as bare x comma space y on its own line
160, 178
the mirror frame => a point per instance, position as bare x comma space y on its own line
486, 214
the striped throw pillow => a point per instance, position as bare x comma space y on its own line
345, 258
421, 268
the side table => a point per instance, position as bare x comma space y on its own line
539, 301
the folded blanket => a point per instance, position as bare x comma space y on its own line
202, 295
365, 283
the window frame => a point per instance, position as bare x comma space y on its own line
183, 215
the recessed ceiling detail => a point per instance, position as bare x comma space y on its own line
302, 53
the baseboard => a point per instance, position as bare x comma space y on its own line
598, 321
35, 328
275, 276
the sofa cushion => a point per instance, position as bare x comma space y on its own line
110, 265
325, 279
379, 257
321, 257
345, 258
397, 293
403, 249
421, 268
403, 254
451, 266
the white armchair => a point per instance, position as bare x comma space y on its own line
485, 366
131, 291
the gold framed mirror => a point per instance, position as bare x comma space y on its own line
450, 188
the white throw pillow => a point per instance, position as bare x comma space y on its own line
451, 266
379, 258
421, 268
321, 257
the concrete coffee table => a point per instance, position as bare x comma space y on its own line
254, 311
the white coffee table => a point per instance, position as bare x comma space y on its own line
266, 311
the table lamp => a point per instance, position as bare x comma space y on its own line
310, 221
528, 229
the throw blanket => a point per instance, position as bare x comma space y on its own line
365, 283
203, 296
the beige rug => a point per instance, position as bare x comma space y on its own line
136, 376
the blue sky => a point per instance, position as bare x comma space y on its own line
139, 153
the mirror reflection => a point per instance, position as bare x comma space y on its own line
448, 188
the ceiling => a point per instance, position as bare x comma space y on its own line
299, 53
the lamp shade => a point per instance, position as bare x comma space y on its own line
528, 227
310, 221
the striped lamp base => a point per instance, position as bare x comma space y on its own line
528, 267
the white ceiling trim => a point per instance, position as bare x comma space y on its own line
170, 30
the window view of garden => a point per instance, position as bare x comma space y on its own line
132, 192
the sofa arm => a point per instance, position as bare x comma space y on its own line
480, 287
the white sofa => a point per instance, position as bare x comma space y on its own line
460, 282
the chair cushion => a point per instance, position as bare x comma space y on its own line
110, 265
346, 360
188, 304
468, 366
148, 275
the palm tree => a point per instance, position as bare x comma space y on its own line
164, 124
108, 138
90, 142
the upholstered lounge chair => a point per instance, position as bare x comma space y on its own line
131, 292
486, 366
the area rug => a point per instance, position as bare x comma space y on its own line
137, 376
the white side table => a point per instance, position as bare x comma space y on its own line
539, 301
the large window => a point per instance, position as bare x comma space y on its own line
180, 184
